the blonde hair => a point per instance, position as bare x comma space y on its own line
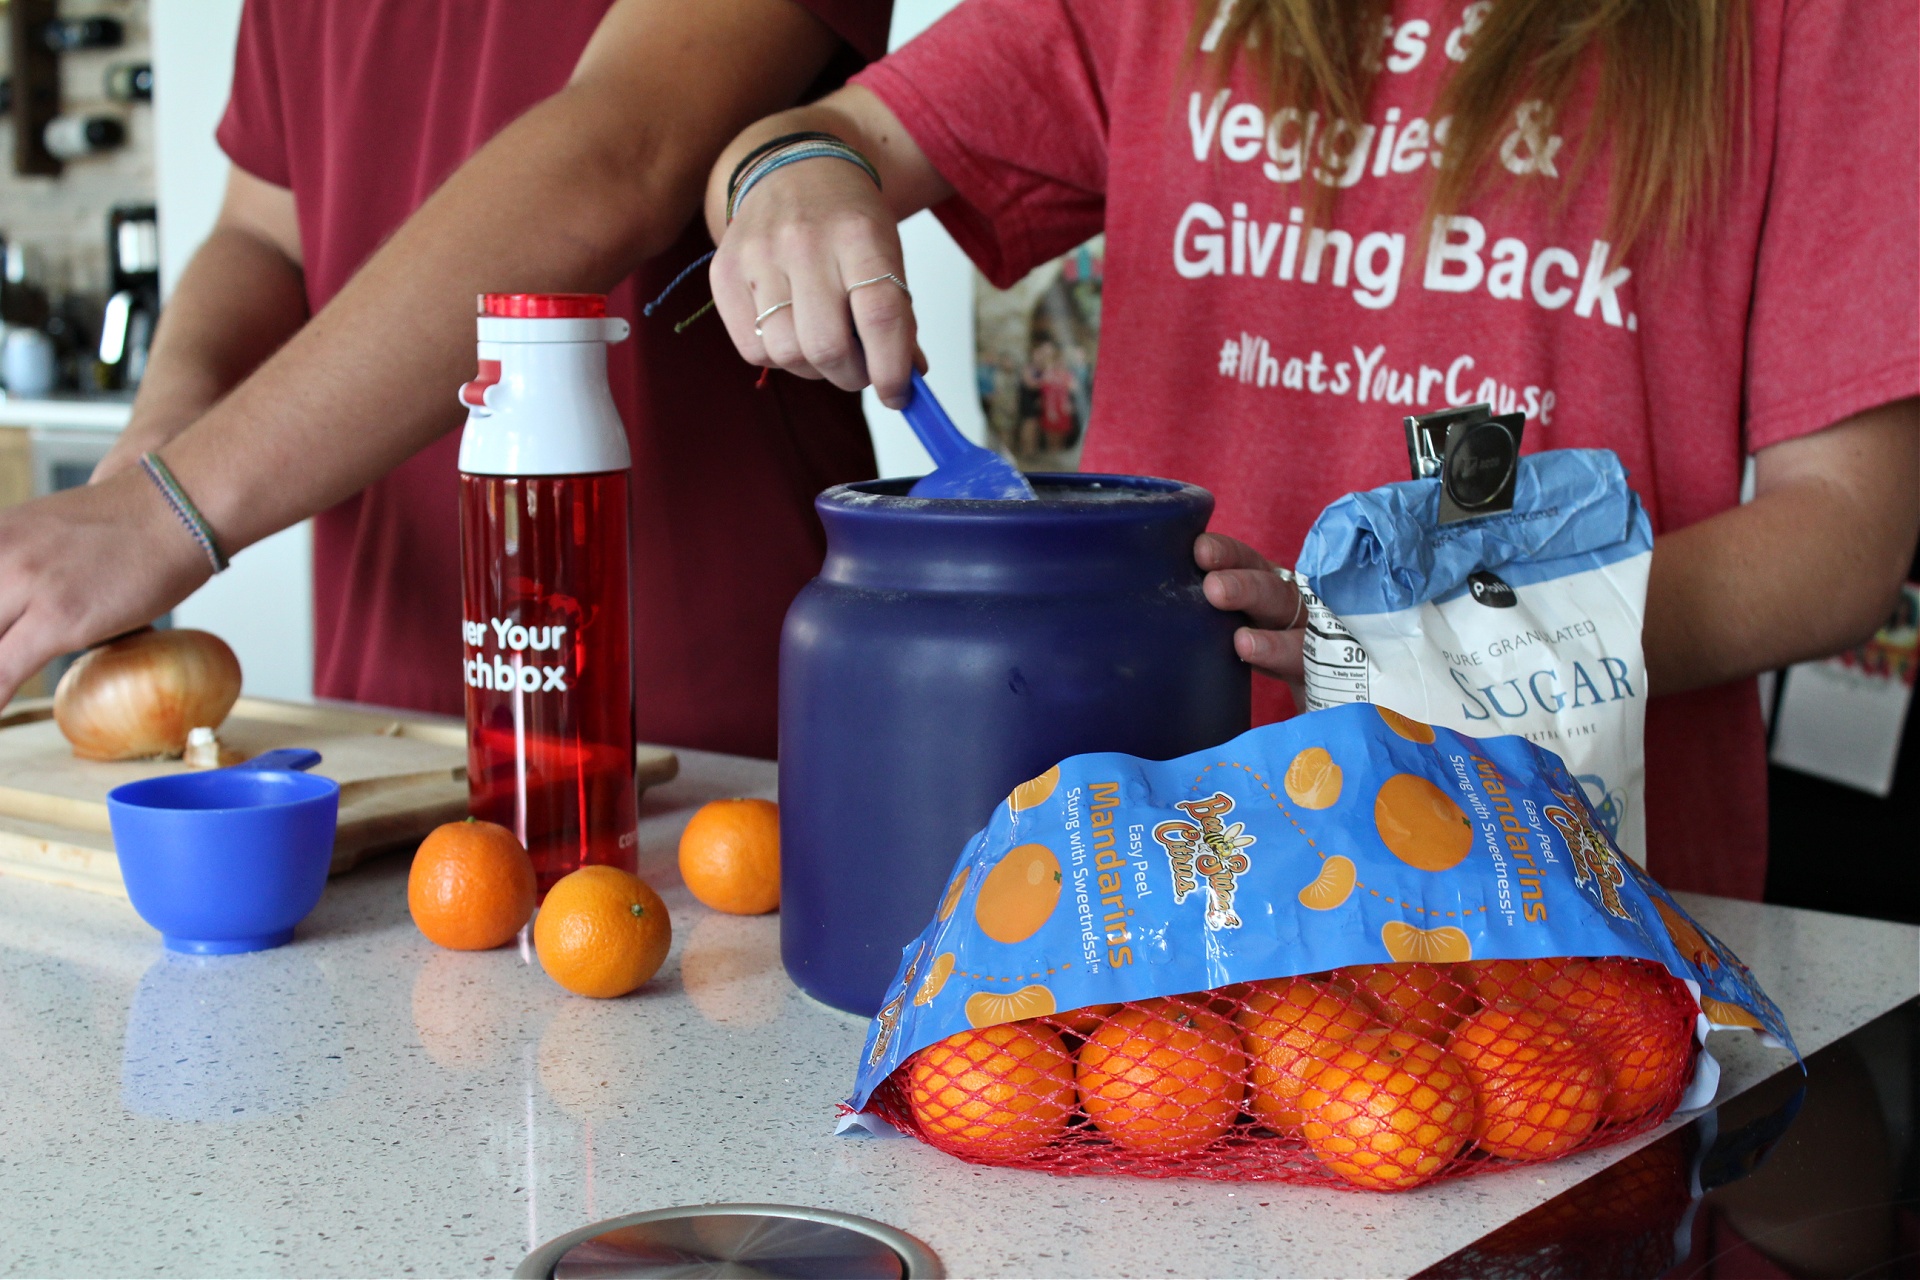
1672, 88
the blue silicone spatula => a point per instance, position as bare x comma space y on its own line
961, 468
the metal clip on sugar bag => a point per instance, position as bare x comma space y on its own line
1475, 453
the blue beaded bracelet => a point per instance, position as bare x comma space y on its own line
183, 507
809, 147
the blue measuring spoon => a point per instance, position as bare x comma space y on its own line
961, 468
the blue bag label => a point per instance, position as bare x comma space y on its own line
1347, 836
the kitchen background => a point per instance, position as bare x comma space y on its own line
1015, 368
167, 158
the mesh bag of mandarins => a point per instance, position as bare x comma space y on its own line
1349, 949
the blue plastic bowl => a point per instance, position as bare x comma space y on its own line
228, 860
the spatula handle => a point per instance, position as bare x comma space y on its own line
931, 423
289, 759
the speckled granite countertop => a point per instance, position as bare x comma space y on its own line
361, 1103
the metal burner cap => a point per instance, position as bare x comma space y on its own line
733, 1240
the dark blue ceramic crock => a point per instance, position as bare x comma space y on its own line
949, 651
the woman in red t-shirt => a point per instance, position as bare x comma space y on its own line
1686, 233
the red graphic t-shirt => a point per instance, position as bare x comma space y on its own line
362, 108
1273, 364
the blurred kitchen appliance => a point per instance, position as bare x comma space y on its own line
75, 137
29, 364
133, 308
66, 35
64, 457
130, 82
35, 69
22, 301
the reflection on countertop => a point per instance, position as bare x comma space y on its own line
231, 1038
1805, 1174
361, 1102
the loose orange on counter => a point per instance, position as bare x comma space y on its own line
602, 932
471, 886
730, 856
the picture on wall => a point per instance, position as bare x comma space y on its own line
1036, 344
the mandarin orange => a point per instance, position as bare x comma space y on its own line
1539, 1087
1388, 1111
1638, 1018
1332, 886
1290, 1026
1163, 1077
471, 886
1427, 999
1312, 781
1083, 1021
1513, 982
602, 932
1034, 792
730, 856
1000, 1093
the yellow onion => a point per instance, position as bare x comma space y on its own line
142, 694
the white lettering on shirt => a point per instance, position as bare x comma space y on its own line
1372, 377
1241, 233
1211, 246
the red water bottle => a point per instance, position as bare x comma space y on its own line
544, 551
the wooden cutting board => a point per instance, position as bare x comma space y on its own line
400, 776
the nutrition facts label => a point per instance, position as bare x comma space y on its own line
1336, 664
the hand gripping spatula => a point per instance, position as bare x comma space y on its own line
961, 468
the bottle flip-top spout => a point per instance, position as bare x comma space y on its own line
539, 402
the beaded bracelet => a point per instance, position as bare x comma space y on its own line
791, 150
183, 507
771, 144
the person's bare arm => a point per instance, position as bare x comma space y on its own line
1809, 567
241, 296
574, 195
807, 231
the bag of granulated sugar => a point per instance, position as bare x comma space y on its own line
1524, 622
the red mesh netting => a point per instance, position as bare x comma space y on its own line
1377, 1076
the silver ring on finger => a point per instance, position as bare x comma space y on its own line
761, 318
1292, 579
885, 277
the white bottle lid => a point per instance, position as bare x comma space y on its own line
540, 405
